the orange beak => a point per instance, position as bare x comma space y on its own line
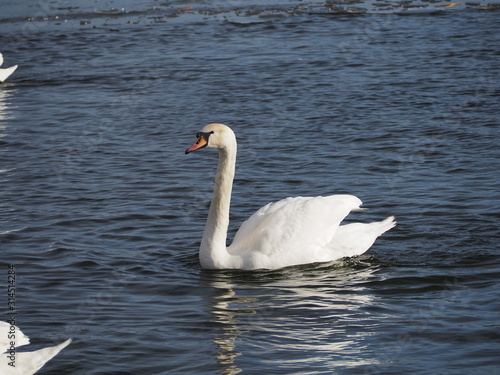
201, 142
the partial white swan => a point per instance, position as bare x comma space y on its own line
292, 231
5, 73
13, 362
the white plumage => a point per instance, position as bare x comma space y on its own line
5, 73
22, 363
289, 232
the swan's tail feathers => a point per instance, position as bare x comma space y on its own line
387, 224
360, 209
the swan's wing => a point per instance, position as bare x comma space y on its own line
5, 73
7, 334
28, 363
292, 231
354, 239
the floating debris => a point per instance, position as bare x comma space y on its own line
449, 5
186, 9
67, 8
110, 12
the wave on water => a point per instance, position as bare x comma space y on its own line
97, 14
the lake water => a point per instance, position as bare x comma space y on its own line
102, 213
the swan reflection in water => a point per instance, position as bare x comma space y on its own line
297, 310
5, 114
4, 107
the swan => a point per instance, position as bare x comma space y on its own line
13, 362
289, 232
5, 73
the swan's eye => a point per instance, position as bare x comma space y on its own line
201, 141
203, 135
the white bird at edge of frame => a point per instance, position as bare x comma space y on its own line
13, 362
5, 73
289, 232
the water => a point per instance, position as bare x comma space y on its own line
102, 213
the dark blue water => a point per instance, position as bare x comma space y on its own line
102, 213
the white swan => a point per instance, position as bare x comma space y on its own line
13, 362
292, 231
5, 73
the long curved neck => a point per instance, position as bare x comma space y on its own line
213, 251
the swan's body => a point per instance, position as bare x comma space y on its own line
292, 231
5, 73
22, 363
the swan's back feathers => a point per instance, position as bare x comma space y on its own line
291, 231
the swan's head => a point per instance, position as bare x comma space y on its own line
214, 136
